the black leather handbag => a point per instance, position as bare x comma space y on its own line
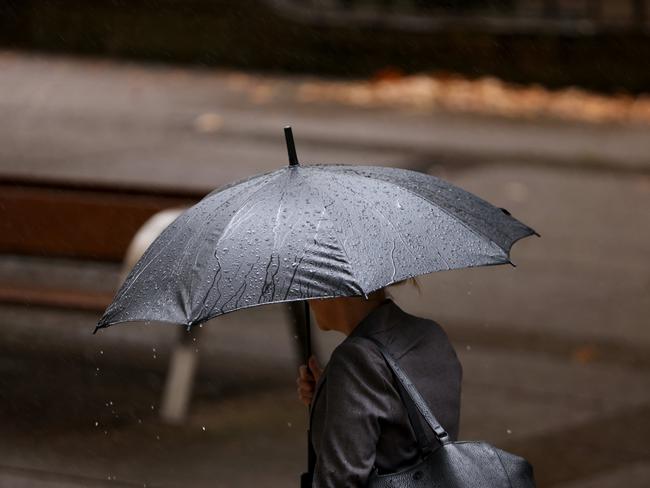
447, 464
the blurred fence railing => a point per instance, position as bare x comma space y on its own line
596, 44
577, 17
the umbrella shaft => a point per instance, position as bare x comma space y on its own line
306, 479
307, 332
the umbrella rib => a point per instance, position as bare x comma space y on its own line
406, 245
257, 190
270, 284
431, 202
241, 290
277, 215
204, 229
214, 283
334, 233
145, 266
392, 260
293, 275
130, 280
444, 210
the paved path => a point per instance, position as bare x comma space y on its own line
555, 352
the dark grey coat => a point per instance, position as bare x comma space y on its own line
358, 419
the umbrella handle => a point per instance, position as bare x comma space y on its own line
306, 479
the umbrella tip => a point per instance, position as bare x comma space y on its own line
512, 264
291, 146
535, 233
97, 327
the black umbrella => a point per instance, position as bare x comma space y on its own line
303, 232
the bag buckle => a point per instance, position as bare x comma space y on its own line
442, 435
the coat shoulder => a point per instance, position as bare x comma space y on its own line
358, 356
356, 349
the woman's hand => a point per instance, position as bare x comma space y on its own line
307, 379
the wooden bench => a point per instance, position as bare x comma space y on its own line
97, 222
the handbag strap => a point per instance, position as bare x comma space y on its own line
423, 440
413, 398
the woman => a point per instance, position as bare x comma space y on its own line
358, 421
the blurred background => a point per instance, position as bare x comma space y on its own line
114, 111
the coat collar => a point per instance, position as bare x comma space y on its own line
378, 320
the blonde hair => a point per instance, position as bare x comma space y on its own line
387, 289
411, 281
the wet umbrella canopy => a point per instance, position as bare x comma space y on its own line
303, 232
